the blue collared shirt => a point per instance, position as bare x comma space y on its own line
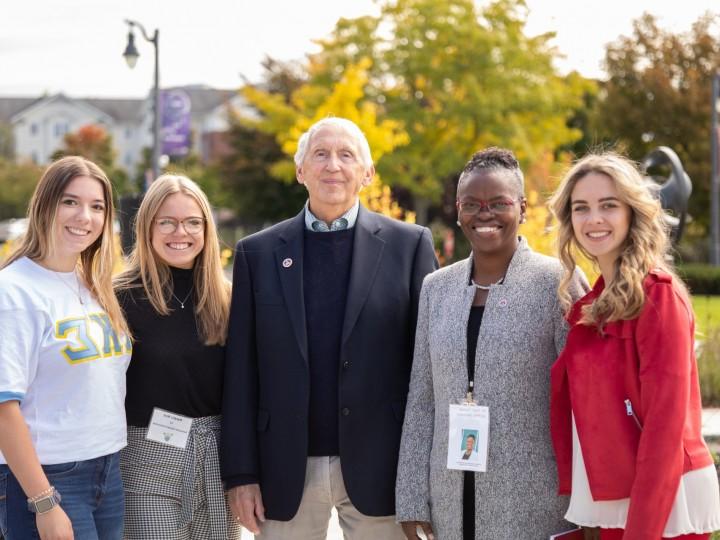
346, 221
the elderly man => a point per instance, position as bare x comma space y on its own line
319, 353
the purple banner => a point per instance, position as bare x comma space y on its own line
175, 126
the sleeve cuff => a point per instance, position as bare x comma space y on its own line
11, 396
240, 480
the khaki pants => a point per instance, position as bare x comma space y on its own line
325, 489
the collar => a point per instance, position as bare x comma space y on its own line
346, 221
573, 316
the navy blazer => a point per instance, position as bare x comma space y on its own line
267, 382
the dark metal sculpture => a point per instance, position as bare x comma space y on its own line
675, 189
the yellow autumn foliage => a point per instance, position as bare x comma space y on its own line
308, 104
540, 228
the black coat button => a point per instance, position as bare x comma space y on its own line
346, 364
345, 411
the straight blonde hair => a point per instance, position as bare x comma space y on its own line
646, 247
95, 264
211, 291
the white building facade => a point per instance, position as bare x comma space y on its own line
39, 125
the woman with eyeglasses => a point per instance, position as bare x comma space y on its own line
626, 411
176, 300
489, 327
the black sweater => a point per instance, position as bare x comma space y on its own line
326, 274
170, 367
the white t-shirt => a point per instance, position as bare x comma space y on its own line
63, 362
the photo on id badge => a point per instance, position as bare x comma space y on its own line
468, 449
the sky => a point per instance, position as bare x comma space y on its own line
75, 46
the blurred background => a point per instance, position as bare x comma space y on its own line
221, 90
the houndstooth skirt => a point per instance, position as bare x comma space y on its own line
173, 493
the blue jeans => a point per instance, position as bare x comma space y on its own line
92, 497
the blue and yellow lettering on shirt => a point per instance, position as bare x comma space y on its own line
79, 329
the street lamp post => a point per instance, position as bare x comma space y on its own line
131, 55
130, 203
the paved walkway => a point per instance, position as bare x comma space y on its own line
334, 531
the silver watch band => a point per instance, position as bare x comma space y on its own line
45, 504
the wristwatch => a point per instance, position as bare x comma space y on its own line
46, 503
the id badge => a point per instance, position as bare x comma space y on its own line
169, 428
468, 437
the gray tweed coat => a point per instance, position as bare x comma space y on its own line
522, 332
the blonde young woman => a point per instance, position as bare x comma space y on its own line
176, 300
63, 358
625, 402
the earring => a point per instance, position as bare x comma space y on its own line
458, 223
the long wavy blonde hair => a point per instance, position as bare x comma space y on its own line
211, 291
645, 248
95, 263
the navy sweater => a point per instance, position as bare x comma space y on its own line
326, 275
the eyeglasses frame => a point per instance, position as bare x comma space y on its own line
179, 222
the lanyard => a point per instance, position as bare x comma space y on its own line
473, 330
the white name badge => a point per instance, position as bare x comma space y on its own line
468, 437
169, 428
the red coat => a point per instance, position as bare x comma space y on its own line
650, 361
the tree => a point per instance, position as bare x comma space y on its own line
205, 175
17, 183
7, 141
250, 188
286, 120
248, 184
457, 78
447, 78
658, 93
93, 142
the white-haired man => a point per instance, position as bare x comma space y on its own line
319, 353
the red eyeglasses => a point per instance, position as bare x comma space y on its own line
499, 206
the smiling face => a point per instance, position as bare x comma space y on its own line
178, 248
79, 221
489, 211
469, 443
600, 220
333, 172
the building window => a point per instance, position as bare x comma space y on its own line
34, 157
128, 133
33, 129
61, 128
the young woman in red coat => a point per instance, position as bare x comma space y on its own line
625, 402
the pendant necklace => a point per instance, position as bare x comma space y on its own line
76, 292
486, 287
182, 302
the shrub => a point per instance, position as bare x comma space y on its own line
709, 368
701, 278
